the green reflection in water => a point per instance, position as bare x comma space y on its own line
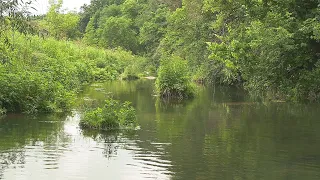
219, 134
18, 133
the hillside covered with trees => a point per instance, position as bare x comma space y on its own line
269, 47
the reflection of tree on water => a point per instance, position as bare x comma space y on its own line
218, 135
144, 150
11, 157
255, 141
145, 157
212, 139
138, 92
18, 133
111, 140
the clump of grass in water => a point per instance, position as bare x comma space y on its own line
174, 80
113, 115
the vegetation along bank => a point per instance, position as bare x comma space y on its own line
269, 48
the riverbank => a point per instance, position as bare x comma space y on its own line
44, 75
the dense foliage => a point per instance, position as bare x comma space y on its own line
60, 24
43, 75
174, 80
113, 115
269, 47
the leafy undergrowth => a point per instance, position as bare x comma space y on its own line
174, 80
113, 115
2, 111
43, 74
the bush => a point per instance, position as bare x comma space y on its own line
33, 92
174, 80
130, 73
43, 75
113, 115
118, 63
134, 70
275, 56
2, 111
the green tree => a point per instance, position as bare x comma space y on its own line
186, 35
60, 25
118, 32
270, 45
152, 31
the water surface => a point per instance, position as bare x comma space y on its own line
218, 135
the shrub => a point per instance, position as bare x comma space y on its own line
33, 92
130, 73
117, 63
113, 115
103, 74
43, 75
2, 111
134, 70
174, 80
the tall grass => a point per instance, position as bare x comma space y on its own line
113, 115
43, 75
174, 80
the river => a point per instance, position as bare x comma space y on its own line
220, 134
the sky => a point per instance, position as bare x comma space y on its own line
42, 5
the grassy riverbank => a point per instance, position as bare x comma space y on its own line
43, 75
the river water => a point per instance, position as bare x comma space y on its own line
218, 135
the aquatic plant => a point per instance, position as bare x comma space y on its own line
113, 115
174, 80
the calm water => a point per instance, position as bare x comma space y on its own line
218, 135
